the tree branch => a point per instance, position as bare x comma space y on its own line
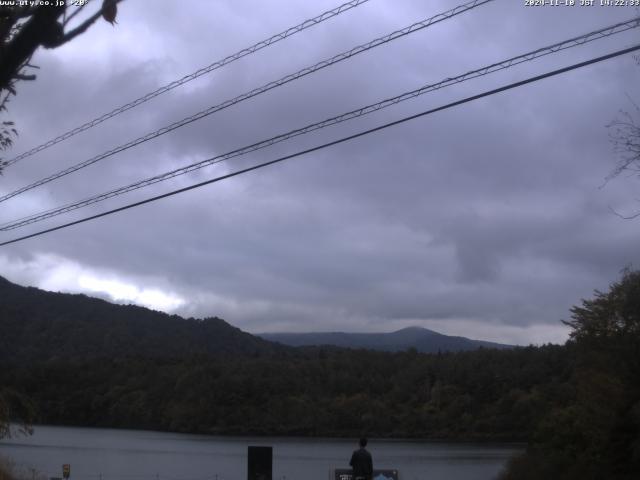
77, 11
80, 29
21, 76
624, 217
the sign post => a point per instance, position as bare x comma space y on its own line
347, 474
260, 463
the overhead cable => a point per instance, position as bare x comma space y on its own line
504, 64
192, 76
332, 143
257, 91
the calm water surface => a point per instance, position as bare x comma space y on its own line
101, 454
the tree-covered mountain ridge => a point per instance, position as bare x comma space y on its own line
422, 339
37, 325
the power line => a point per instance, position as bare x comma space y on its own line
529, 56
265, 88
192, 76
334, 142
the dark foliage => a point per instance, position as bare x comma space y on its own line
487, 394
596, 435
16, 412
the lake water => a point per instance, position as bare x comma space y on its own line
102, 454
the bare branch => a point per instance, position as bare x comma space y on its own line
77, 11
80, 29
21, 76
624, 133
637, 107
624, 217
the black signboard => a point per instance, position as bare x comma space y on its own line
260, 463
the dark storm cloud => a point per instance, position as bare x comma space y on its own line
484, 220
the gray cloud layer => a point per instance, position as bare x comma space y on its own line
485, 220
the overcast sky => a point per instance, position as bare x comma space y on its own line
488, 220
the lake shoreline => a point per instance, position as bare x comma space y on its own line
238, 434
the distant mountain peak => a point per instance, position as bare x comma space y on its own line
416, 329
422, 339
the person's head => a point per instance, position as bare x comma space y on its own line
363, 442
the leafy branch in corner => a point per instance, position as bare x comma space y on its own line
25, 28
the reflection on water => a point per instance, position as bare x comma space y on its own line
102, 454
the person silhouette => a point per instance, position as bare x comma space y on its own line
361, 462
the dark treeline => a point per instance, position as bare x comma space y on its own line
487, 394
595, 435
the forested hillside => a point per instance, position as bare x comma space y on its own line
487, 394
39, 326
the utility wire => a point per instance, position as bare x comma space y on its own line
580, 40
265, 88
334, 142
192, 76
